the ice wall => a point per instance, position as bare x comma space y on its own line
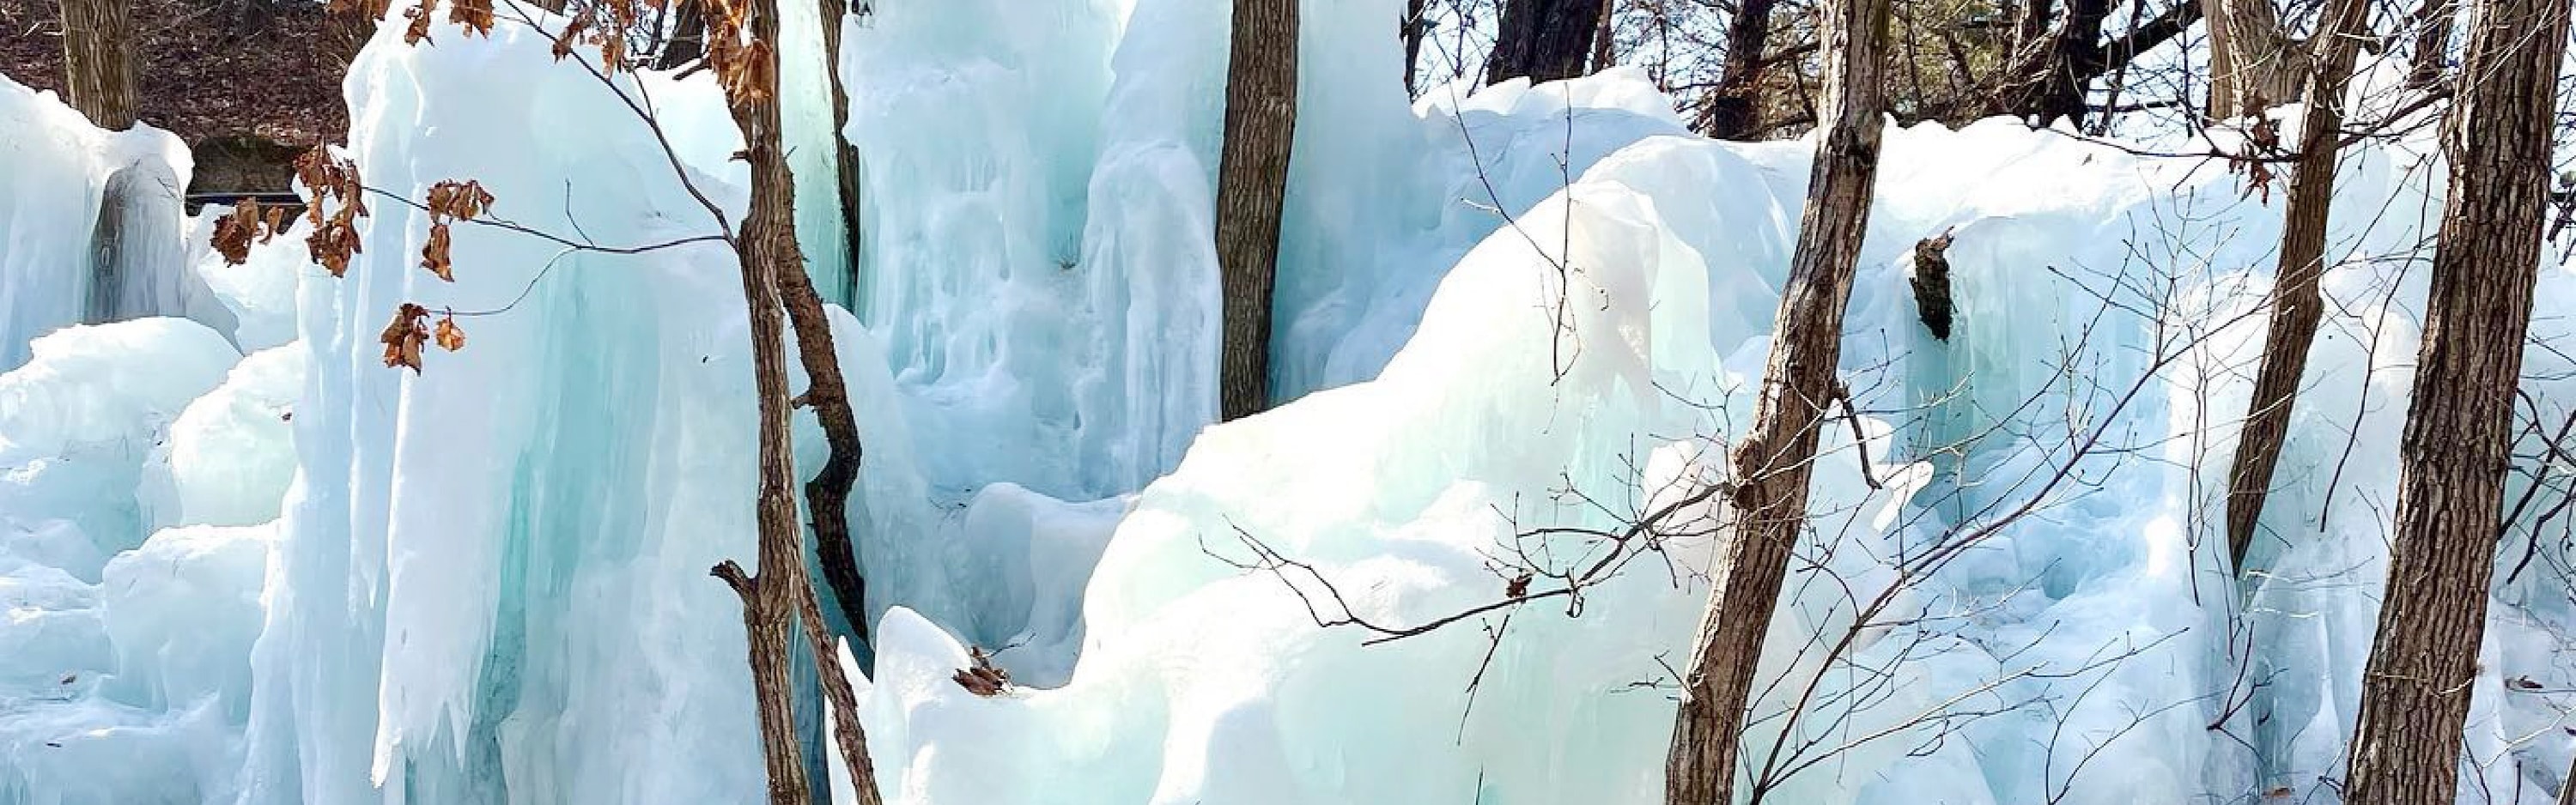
487, 582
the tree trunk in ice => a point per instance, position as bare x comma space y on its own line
827, 496
1734, 105
1771, 465
772, 275
2457, 445
2253, 63
2296, 304
1252, 186
1546, 40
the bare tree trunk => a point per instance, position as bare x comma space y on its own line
1252, 185
774, 282
2050, 76
688, 36
2567, 789
2296, 304
2253, 63
1734, 105
2458, 441
2073, 58
1546, 40
2432, 45
827, 497
1772, 462
1605, 42
1414, 29
98, 62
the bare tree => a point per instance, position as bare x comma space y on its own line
2458, 441
1733, 110
1773, 462
2297, 306
1545, 40
98, 61
2253, 61
1251, 188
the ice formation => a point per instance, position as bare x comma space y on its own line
58, 175
297, 576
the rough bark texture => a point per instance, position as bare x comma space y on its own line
772, 274
2452, 462
1546, 40
1771, 465
98, 62
1252, 184
2296, 304
2253, 64
1734, 105
827, 496
1932, 284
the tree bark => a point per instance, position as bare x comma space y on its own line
2049, 78
1546, 40
1734, 104
688, 36
2432, 45
1772, 462
774, 282
1252, 186
827, 496
99, 65
1414, 29
2458, 440
2297, 305
2253, 63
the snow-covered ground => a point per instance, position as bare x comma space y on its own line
247, 563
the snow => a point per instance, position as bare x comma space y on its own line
299, 576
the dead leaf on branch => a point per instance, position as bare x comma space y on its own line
449, 336
403, 337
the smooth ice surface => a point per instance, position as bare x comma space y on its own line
299, 576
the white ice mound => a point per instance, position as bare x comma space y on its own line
182, 611
230, 456
77, 422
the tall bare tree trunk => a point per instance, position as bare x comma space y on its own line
827, 497
1605, 42
1772, 462
98, 62
2459, 427
2253, 63
1546, 40
2296, 304
1735, 104
774, 282
2432, 45
1415, 27
1251, 187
